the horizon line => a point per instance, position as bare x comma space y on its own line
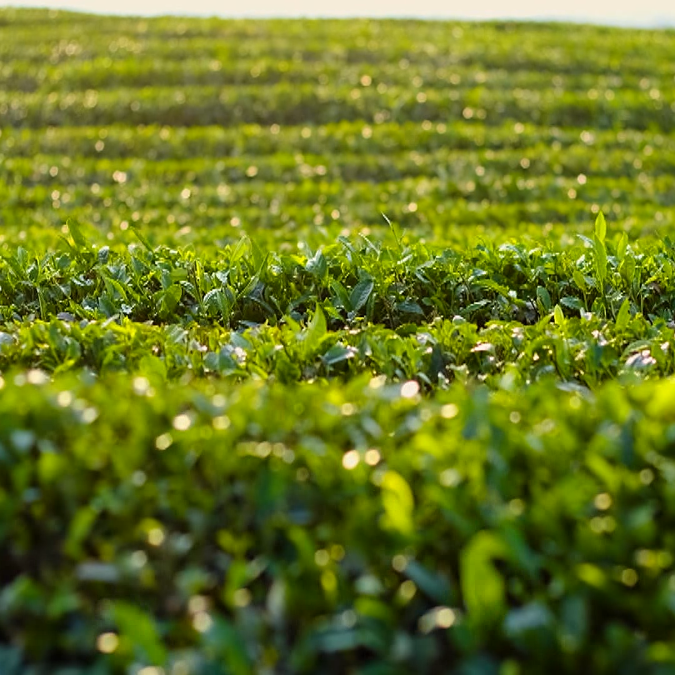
651, 22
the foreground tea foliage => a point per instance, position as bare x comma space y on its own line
337, 525
365, 459
584, 314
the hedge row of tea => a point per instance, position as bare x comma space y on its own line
201, 130
332, 528
250, 425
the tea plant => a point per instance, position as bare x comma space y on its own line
250, 425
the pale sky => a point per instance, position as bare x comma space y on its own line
622, 12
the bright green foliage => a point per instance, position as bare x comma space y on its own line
335, 347
413, 314
328, 520
289, 131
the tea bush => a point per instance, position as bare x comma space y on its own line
318, 354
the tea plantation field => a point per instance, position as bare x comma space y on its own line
335, 347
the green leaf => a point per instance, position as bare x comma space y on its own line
170, 299
317, 265
544, 297
242, 247
217, 302
483, 588
259, 256
140, 629
142, 238
338, 353
571, 302
526, 620
397, 499
558, 316
315, 331
623, 316
431, 583
600, 259
340, 297
579, 280
228, 643
394, 231
574, 617
622, 246
81, 243
360, 294
410, 307
43, 303
600, 227
591, 575
627, 269
475, 306
79, 529
153, 367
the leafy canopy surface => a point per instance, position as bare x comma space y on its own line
335, 347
